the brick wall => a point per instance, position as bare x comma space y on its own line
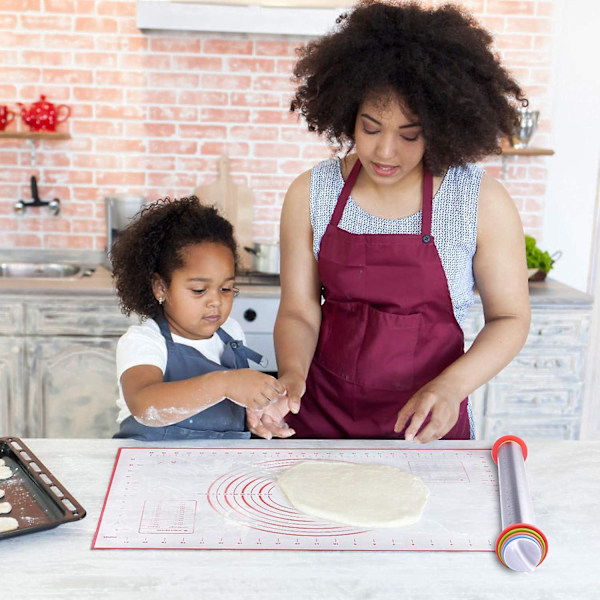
152, 112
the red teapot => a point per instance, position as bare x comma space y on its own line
43, 115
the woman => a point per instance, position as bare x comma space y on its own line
395, 234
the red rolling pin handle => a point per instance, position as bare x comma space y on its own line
508, 438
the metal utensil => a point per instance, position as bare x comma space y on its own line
527, 122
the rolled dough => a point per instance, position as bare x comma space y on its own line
5, 508
363, 495
8, 524
5, 472
1, 493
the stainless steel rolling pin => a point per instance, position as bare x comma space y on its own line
521, 546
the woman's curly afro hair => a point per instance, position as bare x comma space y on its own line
154, 242
435, 62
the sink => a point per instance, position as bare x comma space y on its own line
35, 270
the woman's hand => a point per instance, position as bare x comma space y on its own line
436, 399
252, 389
295, 387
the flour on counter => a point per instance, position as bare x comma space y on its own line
8, 524
363, 495
5, 508
5, 472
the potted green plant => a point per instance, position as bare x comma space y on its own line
539, 262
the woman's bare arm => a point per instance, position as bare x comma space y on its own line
500, 270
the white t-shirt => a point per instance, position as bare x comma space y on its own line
145, 345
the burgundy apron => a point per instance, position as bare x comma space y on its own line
387, 329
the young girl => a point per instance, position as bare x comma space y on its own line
397, 231
183, 373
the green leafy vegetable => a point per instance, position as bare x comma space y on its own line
536, 259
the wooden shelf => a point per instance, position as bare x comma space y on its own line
510, 151
35, 135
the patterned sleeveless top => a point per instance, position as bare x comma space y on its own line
454, 222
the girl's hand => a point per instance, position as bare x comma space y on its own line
434, 398
252, 389
269, 422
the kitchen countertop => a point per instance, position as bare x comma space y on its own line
564, 478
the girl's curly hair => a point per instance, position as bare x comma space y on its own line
153, 243
436, 62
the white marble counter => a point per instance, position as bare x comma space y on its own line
564, 478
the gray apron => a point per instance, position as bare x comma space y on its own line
225, 420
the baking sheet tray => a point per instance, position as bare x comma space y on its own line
39, 501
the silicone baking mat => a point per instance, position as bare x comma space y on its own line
228, 499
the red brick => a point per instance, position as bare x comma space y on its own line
83, 242
116, 9
20, 240
119, 145
69, 41
16, 75
78, 176
493, 24
545, 9
172, 113
88, 226
511, 7
97, 161
203, 132
255, 99
95, 94
149, 163
513, 41
53, 159
227, 47
97, 128
298, 134
144, 61
121, 43
274, 117
96, 25
91, 194
8, 21
201, 97
251, 65
526, 57
10, 57
170, 181
265, 232
249, 132
194, 164
8, 91
225, 82
119, 112
276, 150
253, 165
228, 148
46, 23
295, 167
227, 115
172, 45
61, 6
118, 78
172, 147
197, 63
21, 6
316, 151
267, 213
73, 76
173, 80
95, 59
120, 178
537, 25
285, 66
161, 97
271, 83
276, 48
159, 130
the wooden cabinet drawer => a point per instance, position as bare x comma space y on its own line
11, 318
77, 318
531, 429
552, 329
525, 400
546, 363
